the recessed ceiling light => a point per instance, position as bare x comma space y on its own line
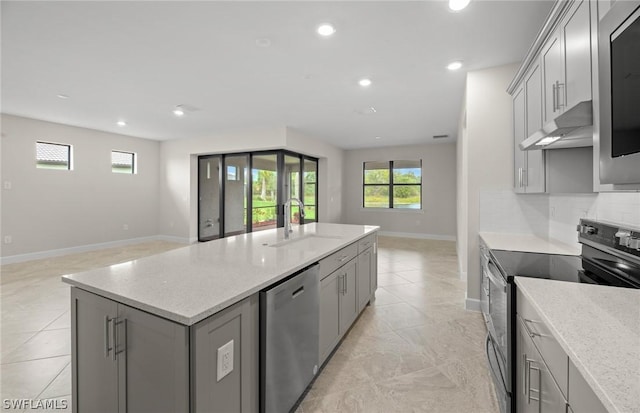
457, 5
454, 65
178, 111
263, 42
326, 30
62, 96
122, 123
378, 137
364, 82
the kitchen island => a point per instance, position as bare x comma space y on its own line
154, 334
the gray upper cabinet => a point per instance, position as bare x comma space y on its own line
552, 66
555, 76
527, 117
533, 177
567, 61
519, 134
576, 39
126, 360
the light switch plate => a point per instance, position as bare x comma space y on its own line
225, 360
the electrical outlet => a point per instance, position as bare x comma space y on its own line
8, 239
225, 360
7, 185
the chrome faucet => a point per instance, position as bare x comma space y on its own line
287, 215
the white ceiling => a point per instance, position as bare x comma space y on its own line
136, 60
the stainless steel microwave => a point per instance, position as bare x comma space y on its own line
619, 82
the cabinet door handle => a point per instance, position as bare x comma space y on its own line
555, 96
107, 336
346, 285
525, 366
114, 338
529, 389
519, 177
558, 86
531, 333
124, 341
344, 257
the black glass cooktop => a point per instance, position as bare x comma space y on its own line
529, 264
595, 268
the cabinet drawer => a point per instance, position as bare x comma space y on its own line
337, 259
366, 242
549, 348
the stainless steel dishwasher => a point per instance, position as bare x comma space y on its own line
289, 334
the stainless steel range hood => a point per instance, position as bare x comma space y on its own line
572, 129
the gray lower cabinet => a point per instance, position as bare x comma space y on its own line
536, 388
581, 396
338, 307
94, 365
364, 278
127, 360
238, 390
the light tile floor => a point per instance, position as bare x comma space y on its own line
415, 349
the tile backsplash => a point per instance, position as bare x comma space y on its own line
555, 216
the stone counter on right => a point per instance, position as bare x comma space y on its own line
599, 329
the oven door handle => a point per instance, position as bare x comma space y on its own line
497, 280
498, 377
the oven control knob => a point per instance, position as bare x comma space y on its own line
625, 237
587, 229
634, 243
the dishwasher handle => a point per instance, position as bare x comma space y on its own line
297, 292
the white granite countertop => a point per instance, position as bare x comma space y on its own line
599, 328
188, 284
527, 243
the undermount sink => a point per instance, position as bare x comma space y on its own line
307, 242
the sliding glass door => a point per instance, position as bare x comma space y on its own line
246, 192
264, 192
236, 186
209, 197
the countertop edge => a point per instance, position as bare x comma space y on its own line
192, 320
593, 383
536, 244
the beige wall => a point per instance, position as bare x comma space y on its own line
488, 145
437, 219
179, 183
49, 210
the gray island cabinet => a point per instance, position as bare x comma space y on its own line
179, 331
126, 360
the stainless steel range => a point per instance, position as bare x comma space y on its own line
610, 256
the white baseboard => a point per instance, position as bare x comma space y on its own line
12, 259
417, 235
173, 238
472, 304
463, 275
